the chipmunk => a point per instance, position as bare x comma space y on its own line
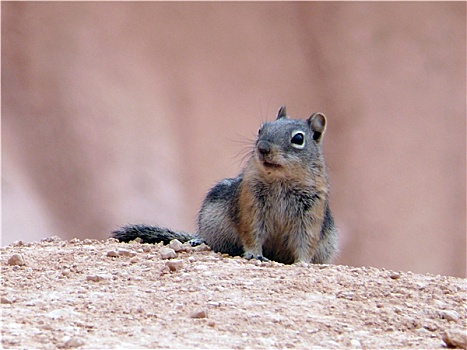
277, 208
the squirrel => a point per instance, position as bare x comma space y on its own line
277, 208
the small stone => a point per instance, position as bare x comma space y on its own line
77, 269
174, 265
395, 275
423, 331
449, 315
199, 314
176, 245
126, 252
5, 300
94, 278
355, 343
202, 248
35, 302
211, 324
51, 239
455, 338
257, 262
349, 296
16, 259
74, 343
112, 253
201, 267
168, 253
322, 266
187, 247
430, 326
165, 270
47, 327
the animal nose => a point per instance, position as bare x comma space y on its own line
264, 147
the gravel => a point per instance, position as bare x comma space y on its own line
91, 294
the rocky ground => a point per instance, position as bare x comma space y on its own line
102, 294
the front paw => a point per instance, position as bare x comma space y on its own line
250, 256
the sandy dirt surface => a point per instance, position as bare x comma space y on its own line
102, 294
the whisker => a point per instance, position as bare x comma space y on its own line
246, 151
244, 139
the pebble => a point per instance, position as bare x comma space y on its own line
202, 248
455, 338
95, 278
51, 239
255, 262
168, 253
126, 252
174, 265
5, 300
16, 259
431, 326
176, 245
112, 253
395, 275
449, 315
62, 313
350, 296
47, 327
73, 343
355, 343
322, 266
35, 302
201, 267
199, 314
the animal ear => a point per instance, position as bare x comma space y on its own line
281, 113
317, 123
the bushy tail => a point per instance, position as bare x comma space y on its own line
150, 234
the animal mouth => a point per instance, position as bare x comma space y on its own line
270, 165
267, 163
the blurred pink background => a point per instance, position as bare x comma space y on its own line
116, 113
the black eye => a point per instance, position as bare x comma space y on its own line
298, 140
259, 132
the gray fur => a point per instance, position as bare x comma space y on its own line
150, 234
218, 218
285, 186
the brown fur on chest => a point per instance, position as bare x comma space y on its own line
282, 215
